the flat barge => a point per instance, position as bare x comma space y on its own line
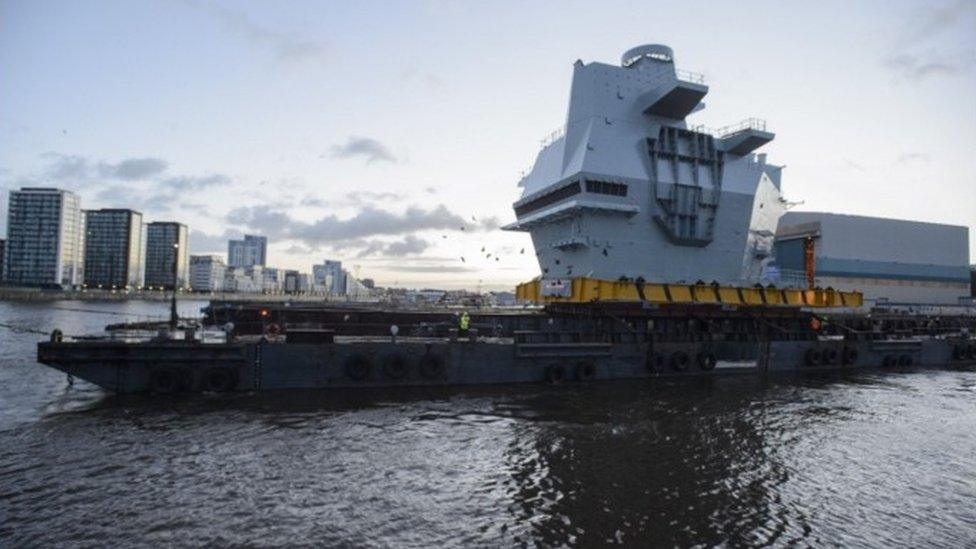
321, 348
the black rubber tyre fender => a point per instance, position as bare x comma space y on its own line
396, 366
586, 370
656, 362
849, 356
219, 379
706, 360
906, 360
357, 367
830, 355
185, 382
163, 381
680, 361
432, 366
889, 361
812, 357
959, 351
555, 373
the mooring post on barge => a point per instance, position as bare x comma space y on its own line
174, 317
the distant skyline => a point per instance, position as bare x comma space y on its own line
372, 132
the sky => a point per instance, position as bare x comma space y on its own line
372, 132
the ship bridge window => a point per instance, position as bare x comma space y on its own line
605, 187
548, 199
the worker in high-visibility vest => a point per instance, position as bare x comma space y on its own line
463, 323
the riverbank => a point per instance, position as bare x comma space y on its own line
36, 294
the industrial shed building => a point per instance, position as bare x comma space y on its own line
886, 259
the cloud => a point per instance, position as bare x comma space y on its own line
372, 248
298, 249
201, 242
139, 183
133, 168
412, 73
286, 47
357, 200
161, 195
906, 158
313, 202
361, 199
122, 196
409, 245
913, 68
195, 207
435, 269
68, 168
366, 147
490, 223
935, 41
79, 169
368, 222
195, 183
932, 20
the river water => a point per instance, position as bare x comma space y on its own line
869, 459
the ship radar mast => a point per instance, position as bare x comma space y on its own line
656, 53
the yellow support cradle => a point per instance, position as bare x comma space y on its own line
586, 290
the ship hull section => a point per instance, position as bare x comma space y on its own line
281, 366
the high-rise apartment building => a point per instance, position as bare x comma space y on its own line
207, 273
251, 251
330, 277
166, 243
296, 282
45, 246
113, 248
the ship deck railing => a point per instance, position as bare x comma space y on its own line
690, 76
757, 124
146, 336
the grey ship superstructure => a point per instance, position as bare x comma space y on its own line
628, 189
